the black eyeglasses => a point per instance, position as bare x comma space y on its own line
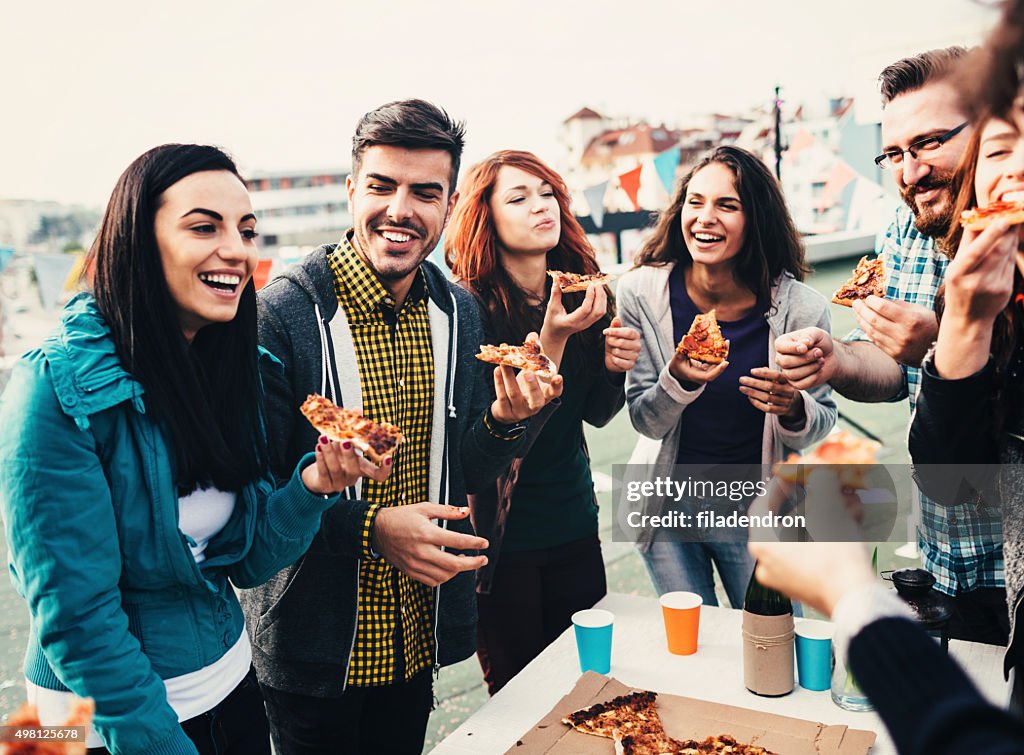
894, 157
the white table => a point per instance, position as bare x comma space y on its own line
715, 673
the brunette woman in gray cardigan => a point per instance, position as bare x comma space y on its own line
726, 243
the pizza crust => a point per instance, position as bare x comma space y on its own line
981, 218
376, 440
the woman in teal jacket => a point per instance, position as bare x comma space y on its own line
133, 472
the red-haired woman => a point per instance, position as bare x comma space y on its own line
511, 225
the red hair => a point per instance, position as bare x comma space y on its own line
471, 242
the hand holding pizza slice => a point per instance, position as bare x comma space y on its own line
705, 342
520, 396
338, 466
701, 355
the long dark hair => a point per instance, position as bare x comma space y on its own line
471, 251
206, 394
771, 246
1009, 325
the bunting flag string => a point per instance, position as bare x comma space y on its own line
665, 164
52, 272
630, 183
595, 201
837, 180
801, 141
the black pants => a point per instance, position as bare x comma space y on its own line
235, 726
532, 600
388, 720
981, 615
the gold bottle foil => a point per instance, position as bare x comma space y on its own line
768, 654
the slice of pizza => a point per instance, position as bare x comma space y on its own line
625, 713
705, 342
981, 218
526, 357
868, 279
723, 743
80, 714
850, 455
651, 741
377, 440
568, 282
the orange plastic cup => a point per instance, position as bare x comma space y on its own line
681, 611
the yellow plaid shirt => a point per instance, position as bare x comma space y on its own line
394, 631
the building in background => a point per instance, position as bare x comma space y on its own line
299, 209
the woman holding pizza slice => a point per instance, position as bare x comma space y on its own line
134, 481
967, 437
726, 244
511, 226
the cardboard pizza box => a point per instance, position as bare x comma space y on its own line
689, 718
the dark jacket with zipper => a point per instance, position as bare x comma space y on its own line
606, 395
303, 621
964, 448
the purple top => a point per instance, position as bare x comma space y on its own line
722, 426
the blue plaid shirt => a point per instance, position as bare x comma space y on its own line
961, 547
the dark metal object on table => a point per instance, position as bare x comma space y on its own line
931, 608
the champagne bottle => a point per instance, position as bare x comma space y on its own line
763, 601
767, 641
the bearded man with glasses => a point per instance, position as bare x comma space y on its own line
924, 134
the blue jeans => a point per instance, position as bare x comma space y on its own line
687, 566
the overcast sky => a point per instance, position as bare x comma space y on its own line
88, 86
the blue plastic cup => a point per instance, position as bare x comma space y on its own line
594, 639
814, 654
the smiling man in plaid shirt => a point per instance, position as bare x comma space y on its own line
924, 133
346, 641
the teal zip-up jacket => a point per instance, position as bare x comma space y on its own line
90, 510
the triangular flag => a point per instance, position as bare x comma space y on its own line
261, 275
801, 141
51, 272
665, 163
841, 175
869, 205
595, 201
630, 183
6, 253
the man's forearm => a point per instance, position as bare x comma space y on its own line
865, 373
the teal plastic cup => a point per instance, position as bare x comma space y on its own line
814, 654
593, 629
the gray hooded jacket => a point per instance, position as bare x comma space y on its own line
657, 401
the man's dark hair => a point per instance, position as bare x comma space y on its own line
206, 395
410, 124
910, 74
